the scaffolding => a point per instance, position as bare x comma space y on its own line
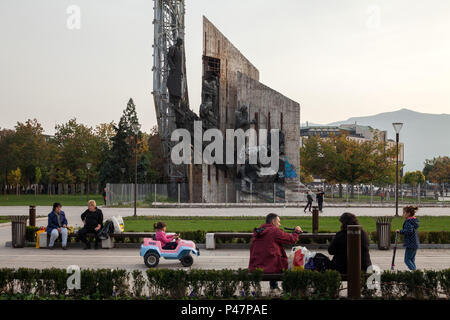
168, 26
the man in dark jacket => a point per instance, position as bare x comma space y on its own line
320, 194
93, 222
57, 225
338, 246
310, 200
266, 250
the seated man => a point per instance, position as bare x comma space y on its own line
57, 225
266, 250
93, 222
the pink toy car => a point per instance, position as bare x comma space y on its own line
152, 251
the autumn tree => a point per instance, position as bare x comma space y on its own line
342, 159
413, 178
437, 170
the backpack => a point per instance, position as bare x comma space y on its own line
321, 262
107, 229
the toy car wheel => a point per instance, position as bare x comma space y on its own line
151, 259
187, 261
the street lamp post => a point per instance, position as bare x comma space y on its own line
397, 127
88, 166
135, 127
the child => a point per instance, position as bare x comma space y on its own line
166, 241
411, 238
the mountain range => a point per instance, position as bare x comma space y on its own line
424, 135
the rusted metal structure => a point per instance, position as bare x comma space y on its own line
168, 27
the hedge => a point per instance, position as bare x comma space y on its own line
26, 283
199, 236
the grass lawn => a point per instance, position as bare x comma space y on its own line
4, 219
246, 224
46, 200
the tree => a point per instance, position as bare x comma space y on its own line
413, 178
341, 159
38, 176
122, 151
7, 162
437, 170
15, 177
77, 145
29, 149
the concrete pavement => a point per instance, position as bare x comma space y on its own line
217, 259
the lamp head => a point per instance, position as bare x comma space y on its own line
397, 126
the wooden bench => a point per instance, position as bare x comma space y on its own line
106, 244
211, 237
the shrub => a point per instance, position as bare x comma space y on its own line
30, 233
307, 284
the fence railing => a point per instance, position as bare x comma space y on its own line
123, 194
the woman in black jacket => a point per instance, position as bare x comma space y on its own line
338, 246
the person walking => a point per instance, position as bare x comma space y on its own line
57, 225
93, 222
310, 200
411, 237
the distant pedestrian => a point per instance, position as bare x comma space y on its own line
310, 200
411, 237
319, 196
382, 195
104, 195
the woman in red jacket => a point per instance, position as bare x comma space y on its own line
266, 250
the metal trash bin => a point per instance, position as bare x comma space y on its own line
384, 233
18, 230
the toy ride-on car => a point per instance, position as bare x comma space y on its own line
152, 251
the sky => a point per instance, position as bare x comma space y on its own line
338, 59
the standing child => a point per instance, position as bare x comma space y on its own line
411, 238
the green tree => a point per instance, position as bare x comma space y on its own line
29, 149
413, 178
77, 145
15, 177
342, 159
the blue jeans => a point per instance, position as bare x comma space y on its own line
410, 258
55, 234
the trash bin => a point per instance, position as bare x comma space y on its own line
384, 233
18, 230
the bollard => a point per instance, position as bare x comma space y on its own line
32, 216
315, 219
354, 262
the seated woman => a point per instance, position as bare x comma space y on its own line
166, 241
338, 246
